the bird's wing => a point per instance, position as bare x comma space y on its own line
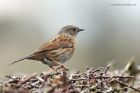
59, 42
56, 43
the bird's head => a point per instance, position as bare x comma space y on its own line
70, 30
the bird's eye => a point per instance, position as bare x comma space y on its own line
74, 29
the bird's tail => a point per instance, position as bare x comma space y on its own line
27, 57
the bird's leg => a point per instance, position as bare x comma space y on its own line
53, 68
62, 66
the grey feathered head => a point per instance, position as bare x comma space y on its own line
70, 30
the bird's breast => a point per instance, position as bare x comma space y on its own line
64, 52
61, 55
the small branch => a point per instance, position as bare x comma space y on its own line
27, 79
128, 86
106, 69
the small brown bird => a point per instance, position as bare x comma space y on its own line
58, 50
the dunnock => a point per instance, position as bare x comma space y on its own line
58, 50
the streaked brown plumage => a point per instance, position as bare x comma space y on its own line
58, 50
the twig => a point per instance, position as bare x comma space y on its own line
27, 79
106, 69
127, 86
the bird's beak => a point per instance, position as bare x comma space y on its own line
81, 30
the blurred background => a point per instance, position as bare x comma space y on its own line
112, 32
